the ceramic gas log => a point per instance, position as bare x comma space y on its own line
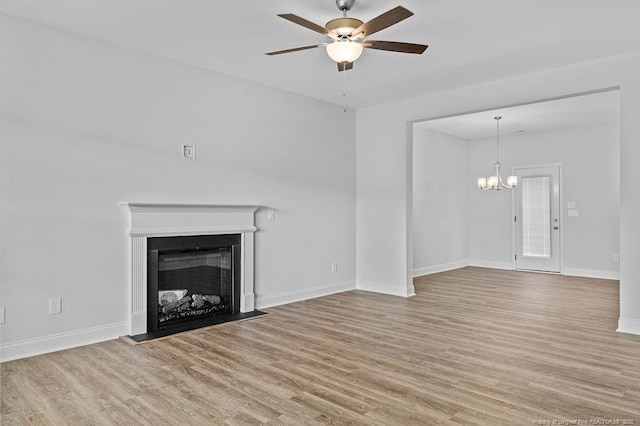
188, 306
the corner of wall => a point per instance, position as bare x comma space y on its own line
629, 326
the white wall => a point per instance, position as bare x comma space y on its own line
383, 259
591, 165
85, 125
384, 149
440, 201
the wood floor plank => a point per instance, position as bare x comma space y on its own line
474, 346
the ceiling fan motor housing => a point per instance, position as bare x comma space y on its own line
343, 26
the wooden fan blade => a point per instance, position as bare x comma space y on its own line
345, 66
395, 46
305, 23
383, 21
295, 49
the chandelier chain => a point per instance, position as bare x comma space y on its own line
498, 138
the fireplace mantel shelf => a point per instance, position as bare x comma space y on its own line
186, 231
164, 207
168, 219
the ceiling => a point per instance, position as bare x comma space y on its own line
576, 111
470, 40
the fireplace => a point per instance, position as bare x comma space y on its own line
187, 238
191, 278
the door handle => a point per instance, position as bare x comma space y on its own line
555, 227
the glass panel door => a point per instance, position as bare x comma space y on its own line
537, 219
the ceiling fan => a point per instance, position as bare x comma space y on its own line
348, 36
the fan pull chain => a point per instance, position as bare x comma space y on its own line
344, 90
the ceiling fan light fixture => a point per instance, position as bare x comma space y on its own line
344, 51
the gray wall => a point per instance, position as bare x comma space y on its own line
86, 124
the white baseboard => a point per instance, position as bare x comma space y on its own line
574, 272
418, 272
61, 341
490, 264
591, 273
628, 325
376, 287
271, 300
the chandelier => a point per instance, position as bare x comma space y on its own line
495, 182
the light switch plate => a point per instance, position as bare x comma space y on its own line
571, 205
573, 213
55, 306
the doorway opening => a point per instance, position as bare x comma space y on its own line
453, 224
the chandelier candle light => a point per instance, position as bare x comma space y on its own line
495, 182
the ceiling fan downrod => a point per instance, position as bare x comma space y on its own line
345, 6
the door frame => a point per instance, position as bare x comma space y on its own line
514, 228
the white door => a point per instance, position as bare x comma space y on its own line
537, 219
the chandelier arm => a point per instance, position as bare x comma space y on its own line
499, 176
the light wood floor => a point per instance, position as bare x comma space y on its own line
475, 346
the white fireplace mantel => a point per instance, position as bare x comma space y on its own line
167, 220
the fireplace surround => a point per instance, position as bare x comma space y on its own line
150, 221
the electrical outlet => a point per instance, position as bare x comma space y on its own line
2, 314
271, 214
334, 267
188, 152
55, 305
616, 258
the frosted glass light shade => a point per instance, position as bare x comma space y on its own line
344, 51
512, 180
492, 182
482, 183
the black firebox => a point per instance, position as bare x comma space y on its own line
191, 278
